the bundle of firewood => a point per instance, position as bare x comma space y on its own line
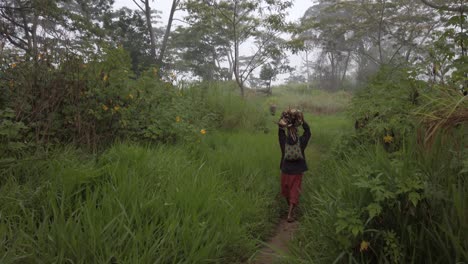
291, 117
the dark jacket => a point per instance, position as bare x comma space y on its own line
298, 166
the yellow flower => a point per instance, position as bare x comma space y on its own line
177, 119
116, 108
203, 131
130, 96
105, 107
13, 65
364, 246
105, 78
388, 139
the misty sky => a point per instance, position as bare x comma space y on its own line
296, 12
300, 6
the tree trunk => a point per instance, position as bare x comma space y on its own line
231, 63
345, 68
239, 80
381, 59
150, 29
168, 31
308, 69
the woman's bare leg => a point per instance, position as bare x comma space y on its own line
290, 212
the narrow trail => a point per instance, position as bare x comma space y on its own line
277, 246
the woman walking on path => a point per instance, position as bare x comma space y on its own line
293, 163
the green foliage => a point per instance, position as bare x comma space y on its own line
11, 136
369, 204
128, 28
142, 204
267, 73
406, 209
221, 28
96, 102
384, 107
310, 100
246, 114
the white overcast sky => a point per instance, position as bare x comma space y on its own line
295, 13
300, 6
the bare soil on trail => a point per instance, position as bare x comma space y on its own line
277, 246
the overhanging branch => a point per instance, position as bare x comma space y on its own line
462, 8
136, 3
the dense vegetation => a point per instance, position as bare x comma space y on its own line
393, 191
123, 142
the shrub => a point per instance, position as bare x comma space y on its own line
93, 103
373, 206
383, 109
12, 133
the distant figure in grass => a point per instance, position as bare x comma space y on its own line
293, 163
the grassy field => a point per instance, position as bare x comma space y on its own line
211, 201
137, 204
313, 100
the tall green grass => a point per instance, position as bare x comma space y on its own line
410, 206
310, 100
135, 204
207, 201
230, 111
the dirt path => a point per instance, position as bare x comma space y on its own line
277, 246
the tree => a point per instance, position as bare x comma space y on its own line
267, 74
162, 51
53, 26
20, 20
324, 29
367, 34
197, 50
198, 47
145, 7
454, 7
246, 21
128, 28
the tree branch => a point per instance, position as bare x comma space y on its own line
461, 8
13, 42
134, 1
15, 8
258, 53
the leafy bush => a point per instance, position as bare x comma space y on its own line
11, 137
95, 102
383, 109
373, 206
